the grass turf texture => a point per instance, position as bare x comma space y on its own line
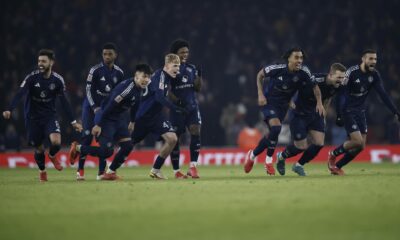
224, 204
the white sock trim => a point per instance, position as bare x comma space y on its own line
268, 160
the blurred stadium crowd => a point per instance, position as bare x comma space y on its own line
230, 41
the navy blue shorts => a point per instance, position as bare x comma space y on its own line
301, 124
181, 121
355, 121
274, 111
112, 131
87, 124
156, 125
40, 129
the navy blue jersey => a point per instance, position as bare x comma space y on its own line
40, 102
183, 86
126, 95
100, 81
357, 87
155, 97
283, 83
306, 102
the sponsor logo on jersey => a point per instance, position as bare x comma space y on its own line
184, 78
52, 86
115, 79
370, 79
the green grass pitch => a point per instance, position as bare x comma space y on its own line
224, 204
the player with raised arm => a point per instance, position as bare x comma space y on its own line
274, 97
183, 94
102, 78
42, 87
351, 111
111, 122
306, 122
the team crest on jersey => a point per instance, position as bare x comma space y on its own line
285, 87
370, 79
107, 88
161, 85
272, 111
52, 86
184, 78
42, 94
165, 125
115, 79
295, 79
362, 89
354, 126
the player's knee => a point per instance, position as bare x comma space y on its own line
358, 144
126, 147
194, 130
105, 152
171, 139
274, 132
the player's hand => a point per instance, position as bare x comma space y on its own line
292, 105
396, 116
77, 127
262, 100
7, 114
131, 127
320, 110
96, 130
96, 109
339, 121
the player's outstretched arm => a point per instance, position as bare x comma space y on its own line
198, 81
320, 107
70, 115
385, 98
14, 102
262, 100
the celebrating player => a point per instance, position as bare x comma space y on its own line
111, 122
284, 81
360, 80
183, 90
151, 117
42, 87
102, 78
306, 121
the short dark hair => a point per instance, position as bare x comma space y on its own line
178, 44
110, 45
289, 52
143, 67
368, 50
337, 67
47, 52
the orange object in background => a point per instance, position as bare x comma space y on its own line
248, 138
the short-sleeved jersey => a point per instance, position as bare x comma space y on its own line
283, 83
126, 95
100, 81
158, 88
306, 102
42, 93
183, 86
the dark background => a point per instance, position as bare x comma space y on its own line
230, 41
